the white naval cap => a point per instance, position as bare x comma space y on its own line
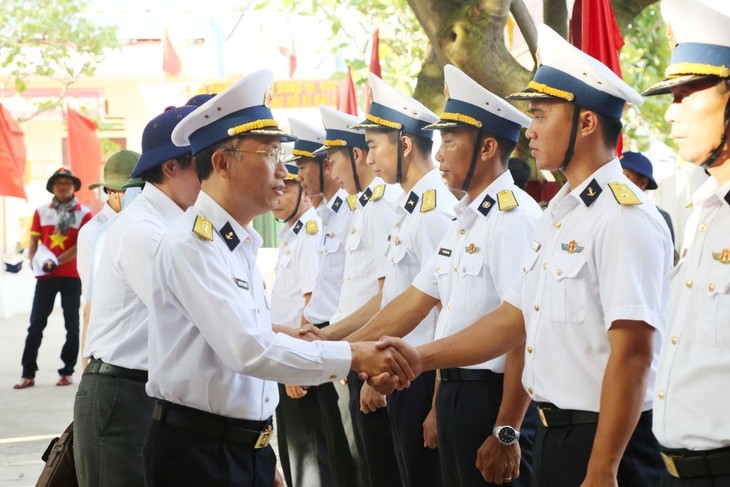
468, 104
391, 109
241, 109
699, 34
339, 131
310, 137
567, 73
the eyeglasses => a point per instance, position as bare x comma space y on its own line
276, 155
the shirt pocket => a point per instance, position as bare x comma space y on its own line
474, 276
396, 253
356, 257
716, 314
565, 290
332, 262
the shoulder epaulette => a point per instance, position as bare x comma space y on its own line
203, 228
623, 194
312, 227
506, 200
352, 201
428, 200
378, 192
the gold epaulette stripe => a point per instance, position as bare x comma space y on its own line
384, 122
698, 69
247, 127
549, 90
460, 117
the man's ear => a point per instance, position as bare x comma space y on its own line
168, 167
588, 122
407, 145
360, 155
220, 162
489, 148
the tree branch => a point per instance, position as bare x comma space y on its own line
526, 24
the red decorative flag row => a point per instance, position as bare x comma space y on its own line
12, 156
84, 154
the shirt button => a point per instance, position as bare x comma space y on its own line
688, 283
545, 266
529, 390
536, 308
448, 308
438, 269
711, 287
675, 339
456, 269
702, 228
353, 230
333, 377
462, 231
398, 225
559, 272
463, 269
558, 225
266, 399
529, 349
660, 395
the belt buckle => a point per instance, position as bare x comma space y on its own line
438, 374
670, 465
264, 437
543, 418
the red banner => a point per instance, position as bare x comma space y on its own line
84, 154
12, 156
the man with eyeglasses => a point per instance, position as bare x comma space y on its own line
112, 410
214, 357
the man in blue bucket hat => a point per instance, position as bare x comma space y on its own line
112, 410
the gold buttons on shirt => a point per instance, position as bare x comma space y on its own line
545, 265
448, 308
438, 269
558, 225
711, 287
536, 308
529, 349
463, 269
702, 228
675, 339
660, 395
456, 269
462, 231
529, 390
559, 272
688, 283
333, 377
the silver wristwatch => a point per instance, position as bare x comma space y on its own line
506, 435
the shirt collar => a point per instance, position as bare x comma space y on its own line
219, 217
611, 171
504, 181
341, 194
167, 208
428, 181
310, 214
710, 194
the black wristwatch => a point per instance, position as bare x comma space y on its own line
506, 435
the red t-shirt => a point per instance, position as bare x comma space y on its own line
44, 226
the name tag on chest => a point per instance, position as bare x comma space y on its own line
241, 283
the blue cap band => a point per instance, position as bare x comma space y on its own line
491, 123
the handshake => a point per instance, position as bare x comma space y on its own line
386, 365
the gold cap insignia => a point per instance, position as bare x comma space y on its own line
446, 91
268, 96
538, 57
670, 37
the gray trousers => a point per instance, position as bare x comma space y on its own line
111, 417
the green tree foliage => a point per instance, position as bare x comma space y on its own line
49, 39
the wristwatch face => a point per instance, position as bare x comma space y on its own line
507, 435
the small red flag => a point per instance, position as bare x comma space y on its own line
170, 60
375, 54
84, 154
291, 53
12, 156
346, 96
599, 36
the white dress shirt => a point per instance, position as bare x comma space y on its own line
296, 268
693, 381
336, 218
85, 247
479, 258
414, 239
593, 261
117, 332
366, 246
211, 343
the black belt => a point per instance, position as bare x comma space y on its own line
96, 366
322, 325
552, 416
688, 463
445, 375
254, 434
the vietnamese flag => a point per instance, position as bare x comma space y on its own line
170, 60
84, 154
12, 156
599, 36
346, 96
374, 65
291, 54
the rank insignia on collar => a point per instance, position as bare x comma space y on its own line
336, 204
312, 227
412, 201
471, 249
572, 247
445, 252
365, 196
229, 236
723, 257
727, 198
352, 201
486, 205
203, 228
506, 200
591, 192
241, 283
297, 227
378, 192
623, 194
428, 202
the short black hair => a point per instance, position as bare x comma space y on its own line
520, 170
154, 175
611, 128
204, 157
